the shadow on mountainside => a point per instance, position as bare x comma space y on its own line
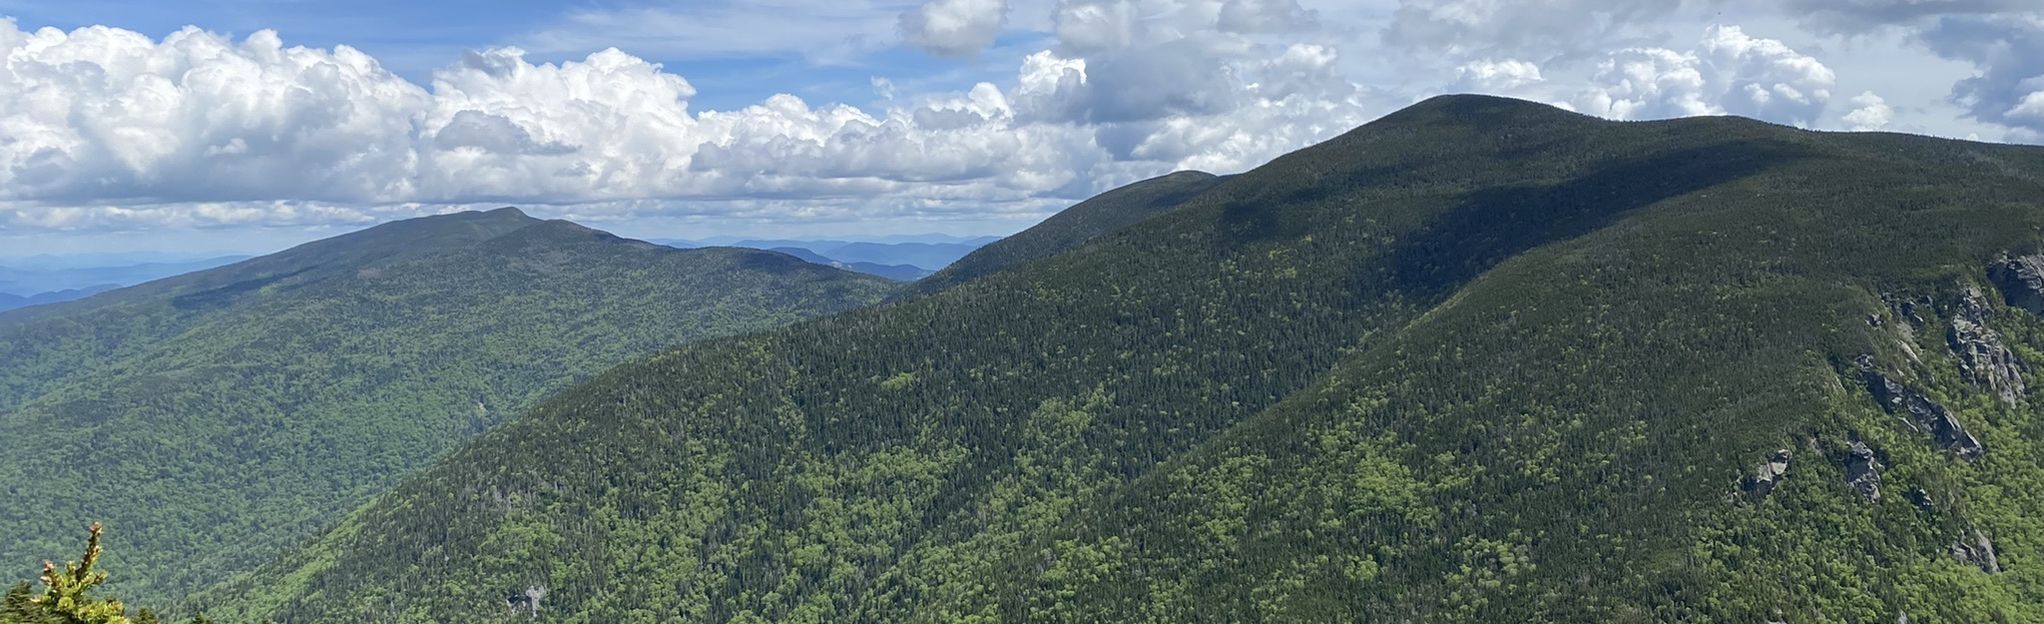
1493, 225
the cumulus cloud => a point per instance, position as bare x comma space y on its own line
954, 27
101, 127
1504, 76
1729, 72
1765, 79
1870, 113
1649, 83
111, 114
107, 126
1142, 61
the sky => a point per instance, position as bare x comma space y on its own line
246, 126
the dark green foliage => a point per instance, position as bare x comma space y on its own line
1109, 212
215, 418
1480, 361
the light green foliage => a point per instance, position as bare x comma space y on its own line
213, 419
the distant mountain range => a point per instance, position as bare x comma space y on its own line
12, 301
896, 272
38, 280
734, 241
892, 258
213, 418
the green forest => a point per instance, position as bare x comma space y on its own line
215, 419
1480, 360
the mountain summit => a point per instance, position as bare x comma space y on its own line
1481, 360
244, 407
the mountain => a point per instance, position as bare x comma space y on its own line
930, 256
1481, 360
53, 275
899, 261
741, 241
213, 418
1110, 212
9, 302
896, 272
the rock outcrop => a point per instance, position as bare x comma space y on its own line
1923, 500
1863, 471
2021, 281
1924, 415
1979, 552
1983, 358
1770, 473
527, 601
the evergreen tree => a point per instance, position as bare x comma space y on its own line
67, 599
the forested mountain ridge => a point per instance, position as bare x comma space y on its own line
213, 418
1071, 227
1480, 360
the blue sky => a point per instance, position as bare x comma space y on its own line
244, 125
413, 38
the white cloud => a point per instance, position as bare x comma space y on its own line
1870, 113
1765, 79
1504, 76
102, 113
954, 27
608, 127
249, 127
1730, 72
1649, 83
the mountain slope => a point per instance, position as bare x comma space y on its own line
238, 409
1481, 360
1073, 226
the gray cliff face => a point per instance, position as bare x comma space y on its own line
1976, 549
1923, 415
1863, 471
2021, 281
1984, 359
